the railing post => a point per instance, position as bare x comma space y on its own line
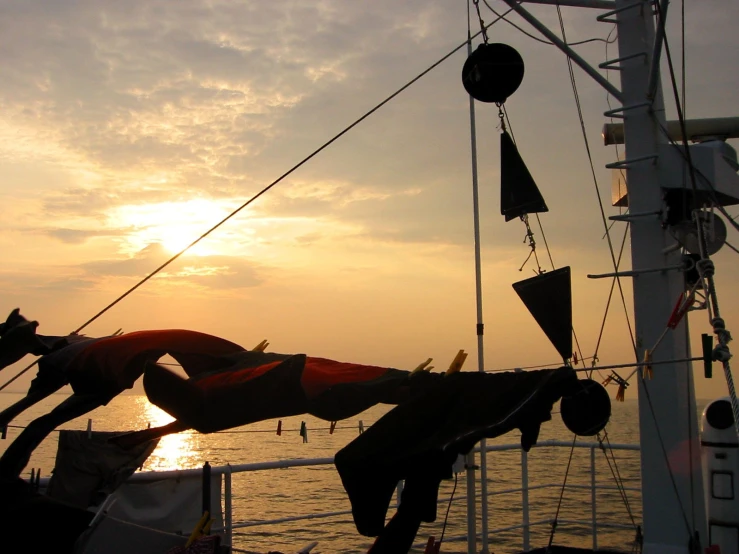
593, 499
525, 500
206, 487
471, 511
228, 506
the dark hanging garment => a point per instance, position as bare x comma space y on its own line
114, 364
549, 299
100, 369
263, 386
88, 467
18, 338
519, 194
419, 440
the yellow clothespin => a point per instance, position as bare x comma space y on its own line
457, 363
198, 530
621, 392
423, 366
261, 346
647, 367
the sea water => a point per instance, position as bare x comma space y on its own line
275, 494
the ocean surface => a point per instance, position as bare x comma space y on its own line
267, 495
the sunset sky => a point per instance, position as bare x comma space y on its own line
127, 129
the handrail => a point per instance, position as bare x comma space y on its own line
229, 526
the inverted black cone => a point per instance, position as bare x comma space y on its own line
518, 192
548, 298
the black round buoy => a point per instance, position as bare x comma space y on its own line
587, 410
492, 72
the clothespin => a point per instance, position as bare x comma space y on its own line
331, 428
279, 428
622, 384
361, 427
4, 432
647, 367
423, 366
37, 483
197, 532
261, 346
681, 308
304, 431
457, 363
574, 358
33, 476
89, 428
430, 546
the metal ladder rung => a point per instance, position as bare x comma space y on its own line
604, 17
624, 164
615, 112
613, 64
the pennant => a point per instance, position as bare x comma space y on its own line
519, 194
548, 297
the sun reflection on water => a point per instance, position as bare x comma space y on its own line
175, 451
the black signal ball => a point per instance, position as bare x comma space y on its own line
492, 72
586, 408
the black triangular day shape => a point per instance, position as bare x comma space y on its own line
548, 298
518, 192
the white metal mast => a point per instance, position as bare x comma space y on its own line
672, 491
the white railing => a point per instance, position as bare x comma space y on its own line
526, 524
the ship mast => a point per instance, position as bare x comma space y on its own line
672, 486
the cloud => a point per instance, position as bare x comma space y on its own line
207, 271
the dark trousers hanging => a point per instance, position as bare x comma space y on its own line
18, 454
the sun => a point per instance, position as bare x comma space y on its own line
174, 225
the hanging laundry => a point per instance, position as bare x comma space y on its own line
419, 441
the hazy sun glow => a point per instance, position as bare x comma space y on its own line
174, 451
174, 225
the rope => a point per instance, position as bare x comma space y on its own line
562, 493
275, 182
705, 265
595, 180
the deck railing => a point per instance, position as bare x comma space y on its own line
526, 525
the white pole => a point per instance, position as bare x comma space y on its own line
593, 499
478, 296
228, 507
525, 500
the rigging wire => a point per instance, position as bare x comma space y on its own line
595, 182
273, 183
610, 297
615, 472
562, 493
